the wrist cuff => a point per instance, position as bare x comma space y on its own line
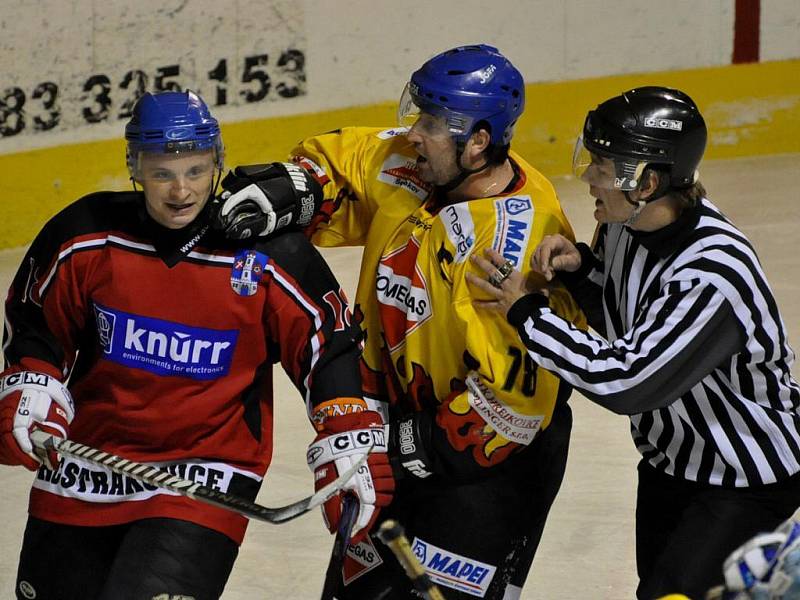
525, 307
587, 260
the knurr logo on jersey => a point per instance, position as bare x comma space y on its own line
403, 294
164, 347
401, 171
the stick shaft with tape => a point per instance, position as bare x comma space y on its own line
155, 476
391, 533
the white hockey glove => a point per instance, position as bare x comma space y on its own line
28, 401
341, 441
260, 199
766, 567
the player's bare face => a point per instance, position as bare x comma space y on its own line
436, 148
610, 204
176, 186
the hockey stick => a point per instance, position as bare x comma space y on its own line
391, 533
333, 576
155, 476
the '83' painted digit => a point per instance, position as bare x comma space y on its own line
48, 93
12, 117
99, 88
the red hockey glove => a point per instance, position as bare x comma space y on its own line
28, 401
342, 440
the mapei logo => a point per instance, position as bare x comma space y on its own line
513, 227
663, 124
401, 171
164, 347
453, 570
515, 205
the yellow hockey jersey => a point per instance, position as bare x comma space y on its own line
423, 336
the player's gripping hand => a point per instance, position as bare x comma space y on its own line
341, 441
28, 401
260, 199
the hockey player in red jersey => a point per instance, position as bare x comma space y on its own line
478, 434
134, 327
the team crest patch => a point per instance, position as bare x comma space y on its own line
247, 271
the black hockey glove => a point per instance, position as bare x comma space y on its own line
260, 199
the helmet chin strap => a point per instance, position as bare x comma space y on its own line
462, 172
638, 207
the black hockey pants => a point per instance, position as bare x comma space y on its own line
493, 522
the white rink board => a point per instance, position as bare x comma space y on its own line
588, 546
79, 64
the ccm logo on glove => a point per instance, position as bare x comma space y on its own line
341, 441
30, 400
346, 444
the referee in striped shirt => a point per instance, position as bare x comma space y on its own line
688, 341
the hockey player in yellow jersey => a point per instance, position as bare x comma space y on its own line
478, 433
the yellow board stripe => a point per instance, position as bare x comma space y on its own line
751, 109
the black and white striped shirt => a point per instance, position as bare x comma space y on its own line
692, 348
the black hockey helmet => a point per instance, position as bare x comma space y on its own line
644, 126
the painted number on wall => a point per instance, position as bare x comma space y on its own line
262, 77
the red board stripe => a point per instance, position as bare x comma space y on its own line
746, 31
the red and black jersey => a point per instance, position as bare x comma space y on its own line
167, 338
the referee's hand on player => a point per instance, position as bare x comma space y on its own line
555, 253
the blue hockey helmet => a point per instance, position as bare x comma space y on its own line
171, 122
466, 85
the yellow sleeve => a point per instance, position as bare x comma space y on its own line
341, 160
